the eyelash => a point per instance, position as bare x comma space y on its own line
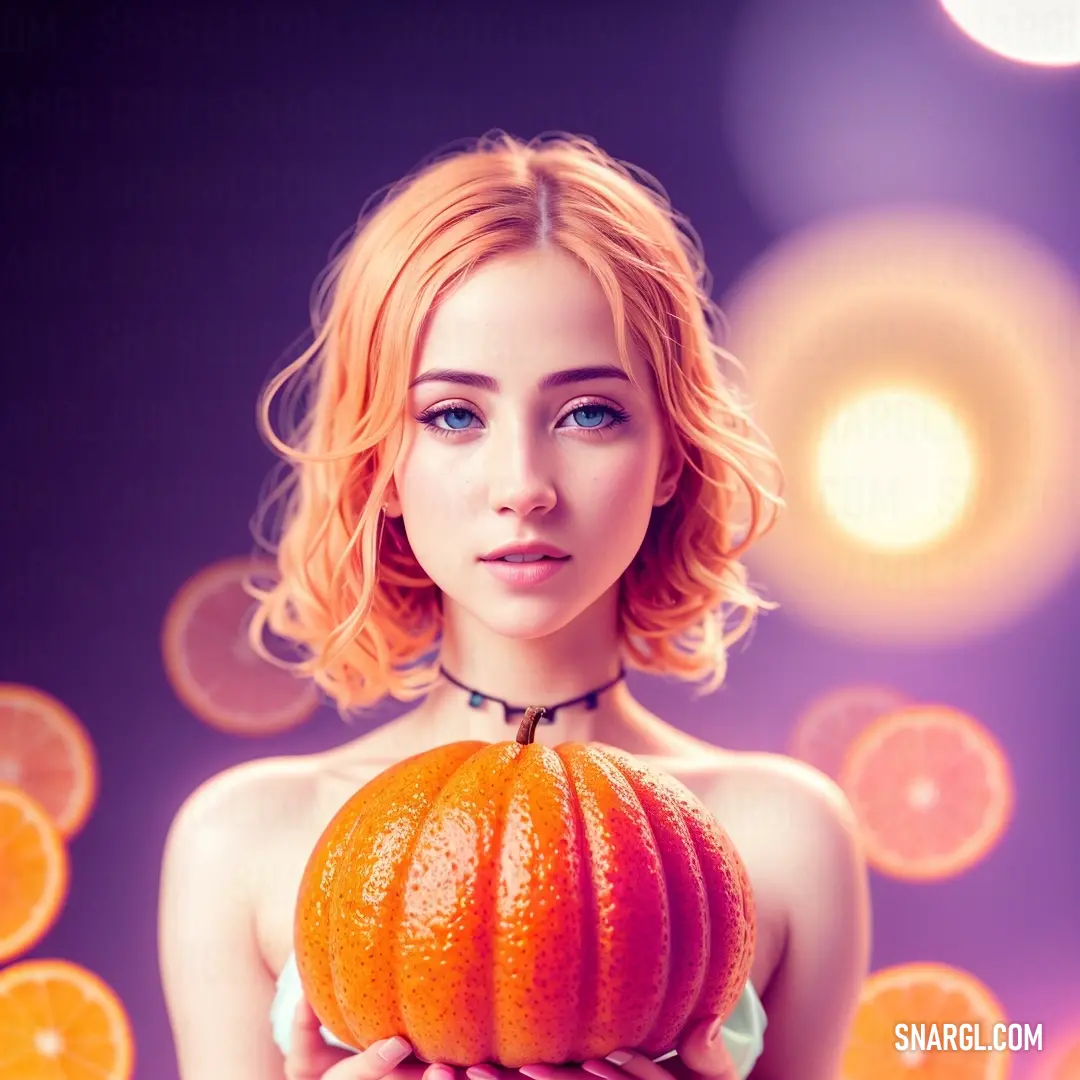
429, 416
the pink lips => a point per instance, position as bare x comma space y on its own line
526, 573
526, 547
534, 572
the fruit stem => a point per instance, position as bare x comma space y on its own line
528, 725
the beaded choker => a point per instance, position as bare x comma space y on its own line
477, 698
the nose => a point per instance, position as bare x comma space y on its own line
520, 469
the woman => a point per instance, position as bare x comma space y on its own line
517, 468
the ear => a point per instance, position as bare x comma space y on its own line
667, 479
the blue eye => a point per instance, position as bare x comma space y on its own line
597, 410
588, 417
454, 415
457, 419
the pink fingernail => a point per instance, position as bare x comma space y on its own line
601, 1069
393, 1049
539, 1072
481, 1072
439, 1072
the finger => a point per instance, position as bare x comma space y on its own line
701, 1054
438, 1071
543, 1072
487, 1072
628, 1063
702, 1049
309, 1054
377, 1061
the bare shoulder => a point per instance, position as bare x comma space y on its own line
794, 822
217, 980
787, 791
250, 831
796, 834
231, 826
255, 795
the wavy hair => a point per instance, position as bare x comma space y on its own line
347, 588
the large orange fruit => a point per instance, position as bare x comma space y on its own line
516, 903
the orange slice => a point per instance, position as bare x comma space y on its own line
1067, 1065
923, 994
825, 730
48, 753
59, 1021
34, 872
932, 791
211, 665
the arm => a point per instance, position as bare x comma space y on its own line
217, 989
811, 999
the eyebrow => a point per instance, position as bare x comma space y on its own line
555, 378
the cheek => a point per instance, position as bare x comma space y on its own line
623, 488
420, 489
425, 477
434, 497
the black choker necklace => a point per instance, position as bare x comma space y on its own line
476, 698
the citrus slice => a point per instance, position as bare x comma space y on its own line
931, 789
34, 872
59, 1021
825, 730
1067, 1065
48, 753
917, 995
211, 665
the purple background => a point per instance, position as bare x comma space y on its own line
173, 184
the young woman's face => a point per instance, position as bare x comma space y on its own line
522, 427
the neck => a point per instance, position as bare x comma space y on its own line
545, 670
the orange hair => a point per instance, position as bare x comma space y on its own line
349, 590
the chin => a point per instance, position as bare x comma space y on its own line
526, 625
523, 618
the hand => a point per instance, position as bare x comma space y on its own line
311, 1058
701, 1056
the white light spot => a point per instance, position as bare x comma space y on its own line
895, 469
49, 1043
923, 794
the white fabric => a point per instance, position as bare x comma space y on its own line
744, 1031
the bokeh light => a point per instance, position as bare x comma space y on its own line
824, 731
921, 524
839, 105
895, 468
1041, 32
